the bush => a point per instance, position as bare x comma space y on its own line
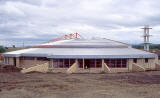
2, 49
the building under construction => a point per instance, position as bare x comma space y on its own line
74, 54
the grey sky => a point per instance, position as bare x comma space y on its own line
44, 19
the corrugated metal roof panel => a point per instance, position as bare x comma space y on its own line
83, 53
93, 43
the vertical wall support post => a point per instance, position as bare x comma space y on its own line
95, 63
69, 62
35, 60
17, 62
130, 63
4, 60
76, 61
63, 63
103, 64
51, 63
83, 63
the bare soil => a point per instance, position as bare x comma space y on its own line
9, 68
59, 85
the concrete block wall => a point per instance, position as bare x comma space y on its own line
90, 70
137, 68
150, 65
8, 61
58, 70
31, 63
17, 62
39, 68
115, 70
11, 61
157, 66
23, 63
73, 68
106, 68
130, 62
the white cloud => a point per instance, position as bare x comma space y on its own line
10, 9
114, 19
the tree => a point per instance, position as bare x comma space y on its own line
2, 49
14, 46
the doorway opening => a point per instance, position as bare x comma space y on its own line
14, 61
87, 64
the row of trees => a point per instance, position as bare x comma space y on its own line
153, 46
4, 49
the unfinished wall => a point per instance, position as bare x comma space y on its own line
58, 70
8, 60
39, 68
73, 68
31, 63
17, 62
115, 70
142, 63
130, 62
137, 68
157, 66
11, 61
149, 65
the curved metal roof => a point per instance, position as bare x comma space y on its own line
83, 48
82, 53
83, 43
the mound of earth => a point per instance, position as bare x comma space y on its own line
10, 68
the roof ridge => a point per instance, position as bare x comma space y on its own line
117, 41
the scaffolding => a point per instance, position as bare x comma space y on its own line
146, 37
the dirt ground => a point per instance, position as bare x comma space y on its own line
51, 85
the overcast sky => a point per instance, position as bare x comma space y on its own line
120, 20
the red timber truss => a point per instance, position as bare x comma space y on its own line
66, 36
